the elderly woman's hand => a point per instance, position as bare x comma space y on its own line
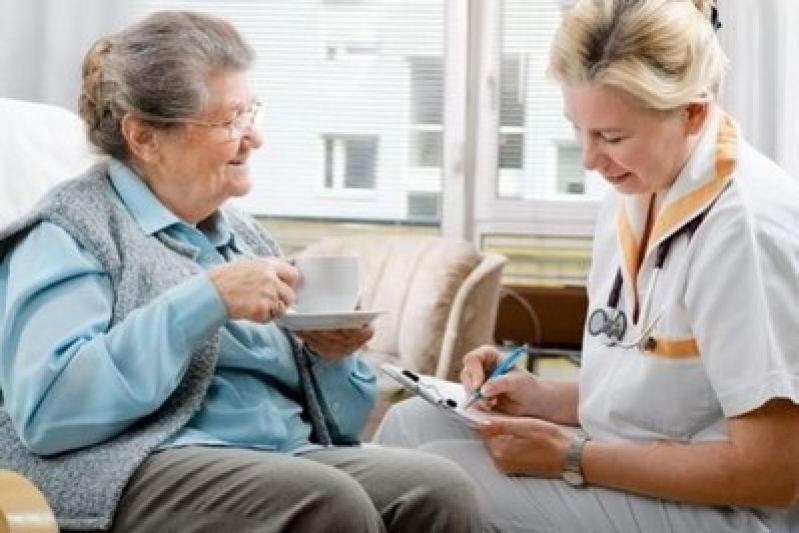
336, 343
259, 289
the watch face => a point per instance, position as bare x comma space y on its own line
573, 478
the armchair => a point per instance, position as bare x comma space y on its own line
441, 296
40, 145
23, 508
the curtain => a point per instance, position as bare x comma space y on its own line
42, 43
762, 41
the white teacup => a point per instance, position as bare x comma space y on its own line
328, 284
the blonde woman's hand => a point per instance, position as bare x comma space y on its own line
256, 289
525, 446
513, 393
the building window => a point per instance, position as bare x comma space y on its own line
350, 161
426, 149
570, 170
511, 150
511, 109
427, 89
423, 206
426, 111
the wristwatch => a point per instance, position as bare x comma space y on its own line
572, 471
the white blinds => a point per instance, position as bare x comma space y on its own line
353, 93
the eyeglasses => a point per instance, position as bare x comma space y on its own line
234, 128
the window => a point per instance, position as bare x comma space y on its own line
414, 112
353, 92
571, 174
535, 159
533, 200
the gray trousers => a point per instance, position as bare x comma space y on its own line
355, 489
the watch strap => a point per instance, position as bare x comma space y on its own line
572, 469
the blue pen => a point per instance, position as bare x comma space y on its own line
503, 368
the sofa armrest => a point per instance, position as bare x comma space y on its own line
23, 509
473, 317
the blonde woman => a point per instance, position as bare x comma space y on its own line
685, 415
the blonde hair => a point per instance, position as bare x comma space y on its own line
663, 53
159, 67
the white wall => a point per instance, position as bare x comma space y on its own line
42, 43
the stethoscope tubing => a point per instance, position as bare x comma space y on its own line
612, 330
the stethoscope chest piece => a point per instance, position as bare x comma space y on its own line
612, 323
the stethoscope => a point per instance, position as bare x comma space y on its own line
609, 324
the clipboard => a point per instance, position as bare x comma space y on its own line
444, 395
447, 396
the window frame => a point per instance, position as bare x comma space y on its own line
557, 216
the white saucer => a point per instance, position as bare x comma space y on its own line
311, 321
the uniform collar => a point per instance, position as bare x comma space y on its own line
703, 178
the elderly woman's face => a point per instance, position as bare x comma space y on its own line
202, 166
635, 149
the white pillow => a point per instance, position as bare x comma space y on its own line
40, 145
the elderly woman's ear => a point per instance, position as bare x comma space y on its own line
141, 137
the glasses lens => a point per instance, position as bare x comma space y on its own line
247, 120
257, 121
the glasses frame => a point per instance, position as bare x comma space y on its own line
236, 127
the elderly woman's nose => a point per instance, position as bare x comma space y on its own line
254, 136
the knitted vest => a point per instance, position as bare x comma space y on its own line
84, 486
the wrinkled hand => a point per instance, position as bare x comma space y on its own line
258, 289
513, 393
334, 344
525, 446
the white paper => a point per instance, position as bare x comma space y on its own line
446, 395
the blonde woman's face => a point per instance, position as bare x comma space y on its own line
636, 150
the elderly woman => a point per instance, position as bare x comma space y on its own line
147, 386
687, 400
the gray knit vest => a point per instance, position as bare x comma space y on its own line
84, 486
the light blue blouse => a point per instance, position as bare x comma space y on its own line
70, 381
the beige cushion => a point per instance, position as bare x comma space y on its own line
415, 279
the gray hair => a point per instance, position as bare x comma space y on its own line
158, 67
663, 53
